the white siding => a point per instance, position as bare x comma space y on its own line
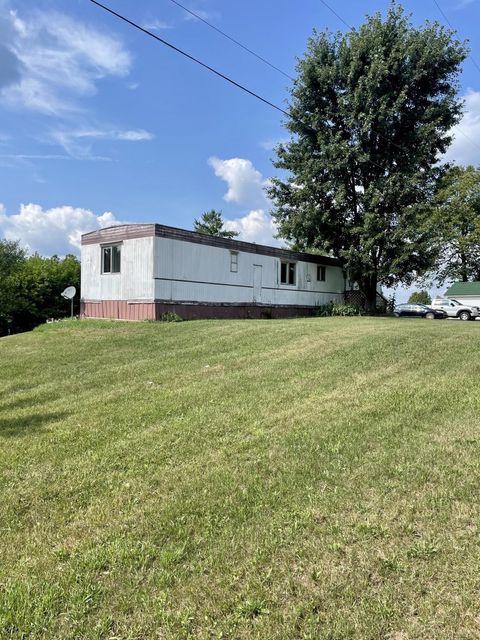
135, 280
190, 272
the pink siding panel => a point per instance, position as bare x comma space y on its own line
118, 310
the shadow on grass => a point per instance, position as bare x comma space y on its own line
29, 401
26, 425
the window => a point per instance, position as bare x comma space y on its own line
234, 261
287, 272
111, 258
320, 273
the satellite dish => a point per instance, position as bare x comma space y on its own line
69, 293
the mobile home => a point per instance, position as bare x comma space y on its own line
141, 271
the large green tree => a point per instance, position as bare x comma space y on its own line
370, 114
456, 221
212, 224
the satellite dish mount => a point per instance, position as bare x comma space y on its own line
69, 294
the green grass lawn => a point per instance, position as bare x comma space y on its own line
313, 478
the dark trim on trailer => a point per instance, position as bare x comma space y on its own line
222, 284
131, 231
247, 286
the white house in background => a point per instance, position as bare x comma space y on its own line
467, 293
140, 271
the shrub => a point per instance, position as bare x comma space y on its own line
171, 316
338, 309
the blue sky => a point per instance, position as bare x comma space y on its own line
101, 124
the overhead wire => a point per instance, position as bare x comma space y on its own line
224, 76
190, 57
452, 27
232, 39
465, 135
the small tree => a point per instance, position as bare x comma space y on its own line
420, 297
212, 224
456, 223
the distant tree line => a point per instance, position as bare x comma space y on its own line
30, 287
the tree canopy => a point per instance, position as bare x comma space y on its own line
369, 118
420, 297
456, 223
30, 287
212, 224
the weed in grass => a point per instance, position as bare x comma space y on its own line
422, 551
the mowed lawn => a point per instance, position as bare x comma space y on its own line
311, 478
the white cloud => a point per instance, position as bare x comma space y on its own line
463, 4
157, 25
245, 183
52, 231
135, 135
34, 156
465, 149
77, 142
246, 187
257, 226
53, 60
202, 14
271, 143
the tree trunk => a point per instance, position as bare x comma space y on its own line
463, 267
368, 287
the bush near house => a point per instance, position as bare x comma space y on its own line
338, 309
240, 479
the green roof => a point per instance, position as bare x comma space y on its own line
464, 289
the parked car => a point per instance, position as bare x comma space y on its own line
418, 311
455, 309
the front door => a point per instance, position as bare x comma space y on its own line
257, 282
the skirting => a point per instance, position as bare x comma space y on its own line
132, 310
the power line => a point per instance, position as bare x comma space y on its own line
212, 70
325, 4
227, 78
471, 58
225, 35
452, 27
190, 57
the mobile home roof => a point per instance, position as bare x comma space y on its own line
130, 231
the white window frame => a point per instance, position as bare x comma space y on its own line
103, 247
321, 270
234, 261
